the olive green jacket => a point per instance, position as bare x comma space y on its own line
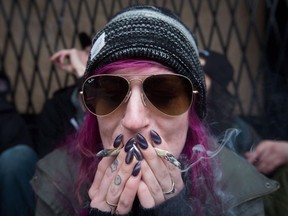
54, 181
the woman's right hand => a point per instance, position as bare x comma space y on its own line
115, 184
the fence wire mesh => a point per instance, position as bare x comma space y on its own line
252, 33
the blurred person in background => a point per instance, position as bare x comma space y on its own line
270, 157
221, 103
17, 158
63, 114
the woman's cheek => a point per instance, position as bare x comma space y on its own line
175, 132
106, 130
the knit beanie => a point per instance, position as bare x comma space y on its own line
151, 33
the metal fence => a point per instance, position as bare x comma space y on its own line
252, 33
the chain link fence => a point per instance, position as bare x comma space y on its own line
252, 33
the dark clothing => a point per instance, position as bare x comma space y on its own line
56, 174
17, 167
276, 203
220, 117
58, 119
13, 128
17, 163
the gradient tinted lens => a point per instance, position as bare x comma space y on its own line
171, 94
104, 94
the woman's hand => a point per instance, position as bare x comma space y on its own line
117, 181
72, 61
114, 187
160, 179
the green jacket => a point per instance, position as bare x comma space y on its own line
54, 181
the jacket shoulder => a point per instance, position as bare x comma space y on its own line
54, 183
241, 180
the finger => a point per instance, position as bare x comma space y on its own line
163, 170
268, 164
55, 56
262, 156
106, 170
158, 169
176, 178
152, 184
106, 176
118, 183
58, 54
64, 57
256, 155
154, 161
144, 195
128, 194
251, 157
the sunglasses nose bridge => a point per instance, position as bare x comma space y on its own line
130, 92
127, 96
143, 98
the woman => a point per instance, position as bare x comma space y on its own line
145, 93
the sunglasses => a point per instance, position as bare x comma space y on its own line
171, 94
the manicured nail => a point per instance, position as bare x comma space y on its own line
138, 153
129, 156
118, 141
136, 169
129, 144
155, 137
142, 141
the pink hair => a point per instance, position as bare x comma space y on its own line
89, 142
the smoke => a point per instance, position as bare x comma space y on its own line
201, 153
226, 139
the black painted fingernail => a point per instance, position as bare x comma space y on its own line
129, 144
129, 156
142, 141
136, 169
155, 137
138, 153
118, 141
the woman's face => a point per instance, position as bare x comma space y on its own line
134, 117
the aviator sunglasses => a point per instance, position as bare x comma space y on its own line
169, 93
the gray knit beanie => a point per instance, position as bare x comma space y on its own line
152, 33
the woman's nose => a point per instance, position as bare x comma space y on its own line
136, 113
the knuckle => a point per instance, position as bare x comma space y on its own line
101, 167
164, 174
156, 190
91, 193
124, 203
114, 191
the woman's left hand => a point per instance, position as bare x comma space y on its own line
161, 179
